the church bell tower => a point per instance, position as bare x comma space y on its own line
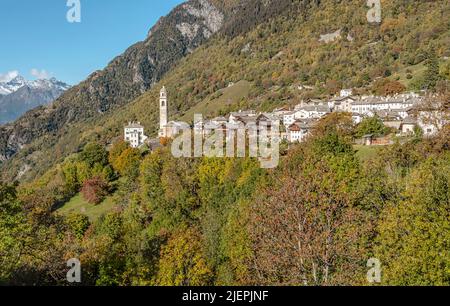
163, 116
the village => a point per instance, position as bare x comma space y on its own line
404, 114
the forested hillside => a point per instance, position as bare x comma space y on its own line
315, 220
279, 51
141, 217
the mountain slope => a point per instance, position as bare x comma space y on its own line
27, 95
280, 51
126, 77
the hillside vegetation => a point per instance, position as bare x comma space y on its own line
281, 52
315, 220
135, 217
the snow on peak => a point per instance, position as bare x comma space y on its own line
18, 82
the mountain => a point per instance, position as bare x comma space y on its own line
20, 96
266, 48
7, 88
129, 75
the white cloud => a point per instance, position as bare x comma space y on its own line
6, 77
40, 74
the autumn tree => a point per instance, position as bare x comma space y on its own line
116, 150
95, 190
182, 261
386, 87
306, 226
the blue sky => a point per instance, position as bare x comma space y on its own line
37, 40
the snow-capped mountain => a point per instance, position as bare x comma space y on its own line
7, 88
15, 84
18, 96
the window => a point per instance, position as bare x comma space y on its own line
163, 103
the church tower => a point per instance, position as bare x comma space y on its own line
163, 116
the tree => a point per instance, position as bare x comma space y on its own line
333, 87
117, 149
445, 70
386, 87
371, 126
432, 74
392, 88
182, 261
127, 164
306, 226
414, 239
95, 190
78, 224
94, 153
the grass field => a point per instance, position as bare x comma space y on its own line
366, 153
222, 99
77, 205
416, 71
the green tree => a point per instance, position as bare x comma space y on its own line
78, 224
371, 126
94, 153
432, 74
182, 261
414, 239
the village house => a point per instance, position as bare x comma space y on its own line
236, 116
346, 93
289, 118
408, 126
299, 130
134, 134
357, 118
280, 112
430, 121
311, 112
372, 105
342, 104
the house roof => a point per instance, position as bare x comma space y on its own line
301, 124
314, 108
409, 120
134, 125
243, 113
220, 119
340, 99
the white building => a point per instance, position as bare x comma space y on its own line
357, 118
311, 112
346, 93
289, 118
134, 134
430, 121
342, 104
299, 130
374, 104
408, 126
